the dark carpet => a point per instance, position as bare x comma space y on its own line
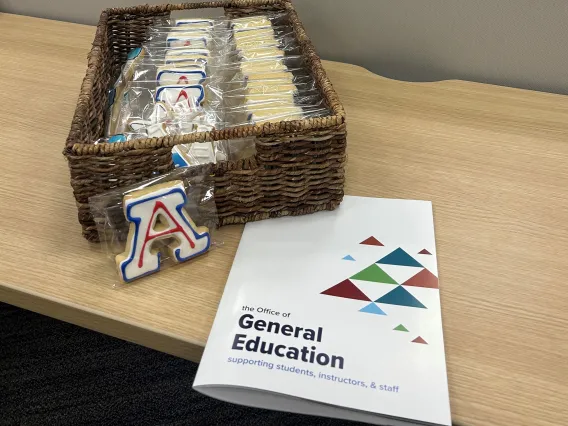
56, 373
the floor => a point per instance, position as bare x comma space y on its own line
56, 373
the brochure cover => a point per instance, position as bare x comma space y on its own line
334, 314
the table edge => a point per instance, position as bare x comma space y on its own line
102, 322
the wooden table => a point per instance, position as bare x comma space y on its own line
493, 160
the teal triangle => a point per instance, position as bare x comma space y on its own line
399, 257
348, 257
400, 296
371, 308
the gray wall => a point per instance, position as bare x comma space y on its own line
510, 42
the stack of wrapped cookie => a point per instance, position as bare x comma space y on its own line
196, 75
272, 83
162, 88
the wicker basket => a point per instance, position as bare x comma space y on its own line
298, 167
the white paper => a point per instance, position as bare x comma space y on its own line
283, 265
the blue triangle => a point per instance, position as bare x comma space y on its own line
400, 296
348, 257
399, 257
371, 308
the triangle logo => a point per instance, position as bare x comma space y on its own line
371, 308
375, 274
424, 278
372, 241
424, 251
400, 327
347, 290
348, 257
401, 297
399, 257
420, 340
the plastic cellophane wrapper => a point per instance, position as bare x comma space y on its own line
161, 89
197, 75
115, 230
272, 83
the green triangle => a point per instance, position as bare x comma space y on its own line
375, 274
400, 327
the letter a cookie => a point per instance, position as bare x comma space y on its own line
157, 214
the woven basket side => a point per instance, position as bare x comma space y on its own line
294, 174
88, 120
128, 31
299, 166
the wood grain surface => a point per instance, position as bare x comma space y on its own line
493, 160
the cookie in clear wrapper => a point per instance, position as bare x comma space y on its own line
157, 223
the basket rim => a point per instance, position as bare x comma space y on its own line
78, 148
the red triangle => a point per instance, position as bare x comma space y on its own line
424, 278
346, 289
424, 251
372, 241
420, 340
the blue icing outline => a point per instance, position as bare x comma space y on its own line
189, 21
182, 72
137, 221
190, 86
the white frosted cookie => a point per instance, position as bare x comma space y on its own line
254, 34
186, 65
177, 55
261, 53
275, 114
249, 74
180, 61
176, 51
250, 44
277, 76
167, 75
251, 24
187, 39
192, 94
267, 86
187, 58
263, 65
267, 40
194, 22
285, 97
197, 65
159, 221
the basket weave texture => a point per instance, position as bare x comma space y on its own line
298, 167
